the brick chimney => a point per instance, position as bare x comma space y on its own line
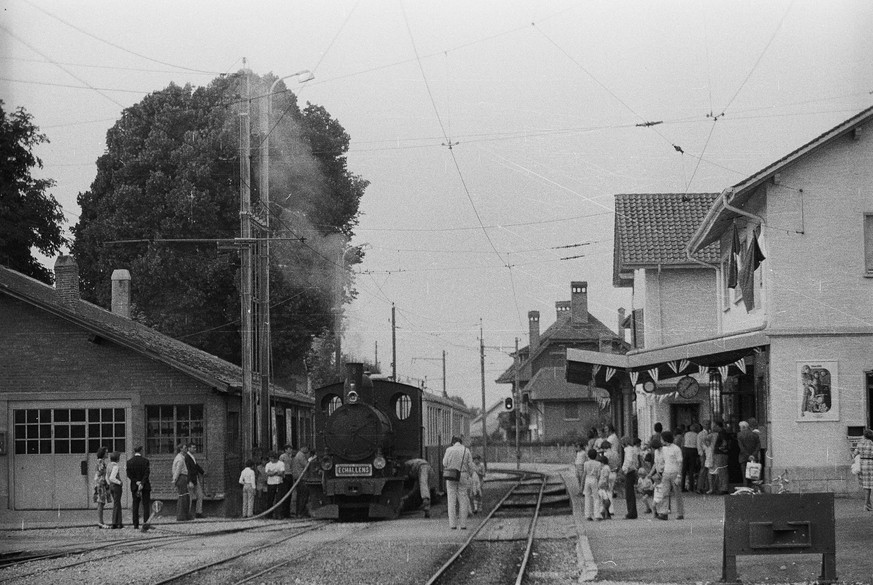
67, 279
579, 302
121, 293
561, 308
533, 321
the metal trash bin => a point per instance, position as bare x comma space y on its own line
768, 524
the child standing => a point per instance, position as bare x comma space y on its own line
476, 479
604, 487
591, 470
579, 464
646, 486
247, 480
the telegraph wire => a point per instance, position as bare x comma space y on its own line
114, 45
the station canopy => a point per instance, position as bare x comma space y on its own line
661, 363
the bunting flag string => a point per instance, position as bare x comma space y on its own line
610, 372
654, 373
634, 376
741, 364
723, 370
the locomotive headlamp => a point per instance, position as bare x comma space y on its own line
352, 397
379, 461
326, 463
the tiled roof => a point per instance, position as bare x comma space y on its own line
552, 384
654, 228
129, 333
565, 332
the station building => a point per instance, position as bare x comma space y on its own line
766, 313
74, 377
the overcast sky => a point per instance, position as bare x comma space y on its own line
540, 100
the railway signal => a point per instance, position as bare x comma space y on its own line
508, 403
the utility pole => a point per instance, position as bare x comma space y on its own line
515, 396
393, 345
264, 345
245, 229
484, 411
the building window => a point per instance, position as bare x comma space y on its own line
169, 425
868, 244
69, 431
571, 411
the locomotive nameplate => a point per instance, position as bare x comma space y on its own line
346, 470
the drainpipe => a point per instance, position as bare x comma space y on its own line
718, 300
728, 206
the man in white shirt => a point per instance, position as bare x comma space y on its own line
703, 476
672, 475
275, 470
458, 457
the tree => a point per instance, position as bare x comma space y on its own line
171, 171
29, 216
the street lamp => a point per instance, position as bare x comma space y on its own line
338, 305
264, 292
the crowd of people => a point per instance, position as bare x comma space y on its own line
659, 471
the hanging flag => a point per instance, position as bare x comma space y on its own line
723, 370
732, 258
633, 377
747, 277
610, 372
703, 370
756, 253
741, 364
674, 367
594, 369
654, 373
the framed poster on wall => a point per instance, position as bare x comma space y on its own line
818, 391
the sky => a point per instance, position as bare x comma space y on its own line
494, 134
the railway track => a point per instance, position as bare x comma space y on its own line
508, 529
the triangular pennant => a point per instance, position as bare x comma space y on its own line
673, 366
723, 370
703, 370
633, 377
682, 365
654, 374
610, 372
741, 364
594, 369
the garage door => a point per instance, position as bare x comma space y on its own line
54, 453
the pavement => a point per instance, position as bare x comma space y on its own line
644, 550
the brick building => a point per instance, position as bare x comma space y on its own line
554, 408
74, 377
791, 337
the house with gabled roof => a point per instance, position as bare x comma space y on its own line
553, 408
792, 345
75, 377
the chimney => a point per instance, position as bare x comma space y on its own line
121, 293
533, 321
67, 279
561, 308
621, 327
579, 302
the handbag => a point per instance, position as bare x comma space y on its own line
452, 474
856, 465
753, 470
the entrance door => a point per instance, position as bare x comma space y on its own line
53, 454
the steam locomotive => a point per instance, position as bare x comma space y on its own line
365, 432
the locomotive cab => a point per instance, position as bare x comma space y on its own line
365, 431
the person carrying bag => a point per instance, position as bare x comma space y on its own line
457, 469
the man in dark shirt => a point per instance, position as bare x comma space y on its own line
195, 480
750, 447
140, 487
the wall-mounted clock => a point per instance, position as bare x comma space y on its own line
649, 386
687, 387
